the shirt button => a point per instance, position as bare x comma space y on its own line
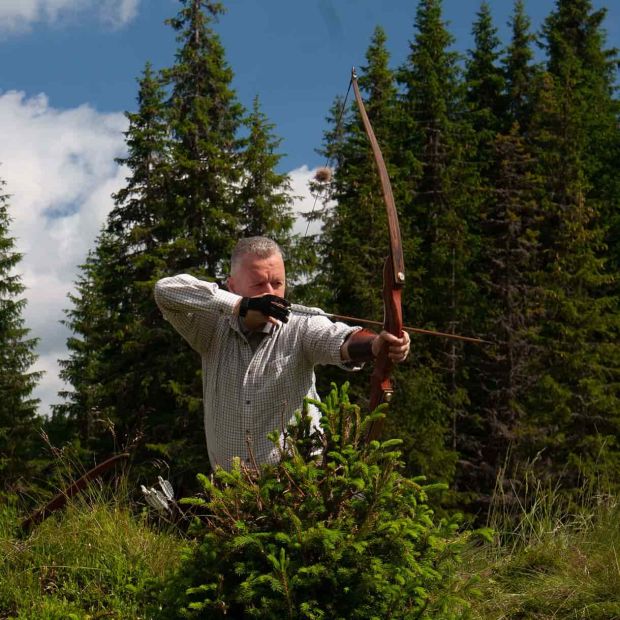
247, 402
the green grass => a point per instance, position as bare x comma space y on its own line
95, 559
98, 559
551, 563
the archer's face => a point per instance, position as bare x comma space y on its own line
253, 276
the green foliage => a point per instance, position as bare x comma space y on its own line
19, 422
333, 530
93, 560
439, 197
519, 72
354, 237
264, 197
548, 561
484, 78
572, 408
195, 186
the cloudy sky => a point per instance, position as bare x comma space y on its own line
68, 73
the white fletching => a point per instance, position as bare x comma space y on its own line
166, 487
156, 499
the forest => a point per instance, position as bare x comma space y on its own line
503, 164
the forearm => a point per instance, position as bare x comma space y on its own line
364, 346
358, 347
184, 293
193, 306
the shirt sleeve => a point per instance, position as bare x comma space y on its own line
322, 340
193, 307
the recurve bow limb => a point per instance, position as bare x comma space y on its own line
58, 501
393, 275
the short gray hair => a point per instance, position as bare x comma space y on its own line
261, 247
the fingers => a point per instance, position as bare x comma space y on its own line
398, 347
270, 306
279, 309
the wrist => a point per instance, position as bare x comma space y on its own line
360, 346
243, 306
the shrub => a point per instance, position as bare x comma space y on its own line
333, 530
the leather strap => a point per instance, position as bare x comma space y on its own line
359, 345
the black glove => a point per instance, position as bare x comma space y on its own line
269, 305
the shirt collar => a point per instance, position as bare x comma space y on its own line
237, 324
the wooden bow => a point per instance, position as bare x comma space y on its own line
393, 276
59, 501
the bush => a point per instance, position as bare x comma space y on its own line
334, 530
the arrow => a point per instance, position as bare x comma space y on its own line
304, 310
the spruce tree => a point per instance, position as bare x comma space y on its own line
264, 197
355, 238
204, 117
435, 171
509, 314
573, 410
587, 71
519, 70
193, 189
507, 191
484, 77
434, 157
134, 383
19, 422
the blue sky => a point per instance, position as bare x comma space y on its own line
69, 70
295, 55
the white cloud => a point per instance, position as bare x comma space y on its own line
60, 172
117, 13
19, 15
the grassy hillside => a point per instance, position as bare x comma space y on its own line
551, 563
99, 559
93, 560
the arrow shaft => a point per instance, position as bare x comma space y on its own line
411, 330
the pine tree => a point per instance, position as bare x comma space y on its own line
484, 77
573, 412
355, 238
506, 220
264, 196
587, 71
19, 422
509, 314
433, 156
519, 71
191, 192
133, 381
435, 173
204, 120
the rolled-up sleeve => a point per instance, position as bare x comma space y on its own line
192, 306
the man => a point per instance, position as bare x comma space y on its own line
258, 358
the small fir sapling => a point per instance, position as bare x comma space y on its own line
333, 530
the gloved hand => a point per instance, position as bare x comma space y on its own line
269, 305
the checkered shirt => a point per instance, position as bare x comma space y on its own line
248, 394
